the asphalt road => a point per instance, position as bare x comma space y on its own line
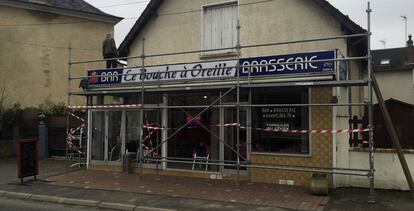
7, 204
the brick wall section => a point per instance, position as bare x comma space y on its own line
321, 147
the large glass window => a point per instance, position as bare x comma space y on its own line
193, 141
280, 118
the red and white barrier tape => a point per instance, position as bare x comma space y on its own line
73, 131
314, 131
77, 117
70, 138
362, 130
106, 106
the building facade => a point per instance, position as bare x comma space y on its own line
34, 40
394, 71
236, 103
396, 65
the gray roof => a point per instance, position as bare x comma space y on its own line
393, 58
347, 25
78, 8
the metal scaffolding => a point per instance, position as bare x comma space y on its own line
235, 86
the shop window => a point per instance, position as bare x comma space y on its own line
282, 118
219, 27
193, 138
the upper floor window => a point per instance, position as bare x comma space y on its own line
385, 61
219, 27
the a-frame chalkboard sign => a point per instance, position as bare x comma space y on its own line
28, 159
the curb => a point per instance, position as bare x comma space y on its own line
116, 206
45, 198
79, 202
17, 195
143, 208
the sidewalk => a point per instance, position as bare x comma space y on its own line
43, 191
259, 194
161, 192
87, 189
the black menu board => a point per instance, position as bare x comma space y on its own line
28, 163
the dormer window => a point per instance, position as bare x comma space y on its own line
385, 62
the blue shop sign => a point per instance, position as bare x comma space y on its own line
257, 66
280, 65
113, 76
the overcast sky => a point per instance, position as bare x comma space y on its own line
387, 24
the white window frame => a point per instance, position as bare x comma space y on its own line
207, 54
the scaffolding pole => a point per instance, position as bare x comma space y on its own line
67, 110
267, 166
362, 35
238, 101
371, 198
141, 115
234, 162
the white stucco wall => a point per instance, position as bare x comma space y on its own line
388, 170
268, 22
398, 85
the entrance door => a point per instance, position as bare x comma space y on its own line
98, 137
114, 136
107, 136
230, 136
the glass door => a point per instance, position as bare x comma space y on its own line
98, 136
107, 136
132, 132
114, 136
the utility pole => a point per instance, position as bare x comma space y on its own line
405, 18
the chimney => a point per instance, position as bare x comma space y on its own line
410, 50
410, 40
